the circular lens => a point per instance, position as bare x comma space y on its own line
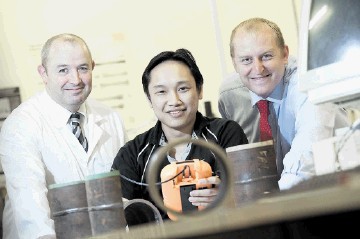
224, 168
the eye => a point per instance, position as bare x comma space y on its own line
160, 92
83, 69
184, 89
245, 60
267, 57
63, 71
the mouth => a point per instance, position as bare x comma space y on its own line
261, 80
261, 77
75, 89
176, 113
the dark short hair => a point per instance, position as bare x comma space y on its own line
181, 55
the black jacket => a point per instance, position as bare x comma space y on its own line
131, 160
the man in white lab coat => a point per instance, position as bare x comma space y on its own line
38, 147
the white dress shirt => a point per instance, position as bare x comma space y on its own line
38, 149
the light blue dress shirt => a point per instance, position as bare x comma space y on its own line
295, 122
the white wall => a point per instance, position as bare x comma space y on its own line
138, 29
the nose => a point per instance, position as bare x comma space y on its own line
74, 77
258, 66
174, 98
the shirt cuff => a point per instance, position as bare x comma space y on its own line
289, 180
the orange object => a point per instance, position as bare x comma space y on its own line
177, 191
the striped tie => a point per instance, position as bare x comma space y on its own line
76, 129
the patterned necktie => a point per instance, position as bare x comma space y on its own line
265, 130
76, 129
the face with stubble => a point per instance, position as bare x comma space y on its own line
68, 73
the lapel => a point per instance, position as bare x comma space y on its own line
95, 131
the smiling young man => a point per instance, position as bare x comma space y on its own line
173, 85
38, 144
264, 71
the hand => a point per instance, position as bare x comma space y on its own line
203, 197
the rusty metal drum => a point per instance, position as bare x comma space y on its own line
68, 203
104, 196
87, 208
255, 171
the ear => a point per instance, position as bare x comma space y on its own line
149, 101
42, 72
286, 54
201, 93
93, 65
234, 64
